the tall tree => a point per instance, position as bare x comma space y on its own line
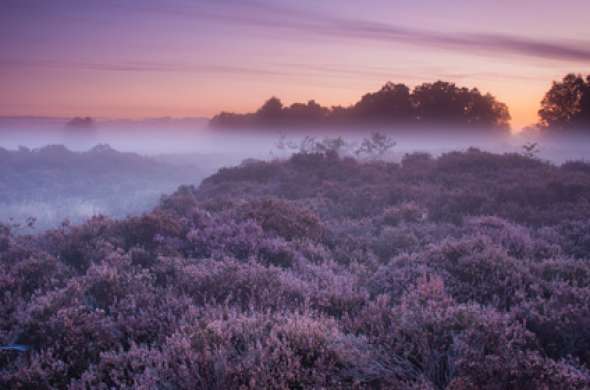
443, 103
390, 104
566, 106
440, 103
271, 111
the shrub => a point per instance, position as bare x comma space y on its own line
467, 271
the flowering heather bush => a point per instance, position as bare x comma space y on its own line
467, 271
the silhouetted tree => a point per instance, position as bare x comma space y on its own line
80, 127
339, 115
81, 123
394, 105
310, 113
439, 102
271, 111
566, 105
445, 103
391, 103
486, 111
231, 120
531, 149
375, 147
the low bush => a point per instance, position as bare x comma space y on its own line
468, 271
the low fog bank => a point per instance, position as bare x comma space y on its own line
42, 187
75, 180
192, 140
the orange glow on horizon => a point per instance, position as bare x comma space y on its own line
58, 60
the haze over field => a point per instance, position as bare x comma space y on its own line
294, 194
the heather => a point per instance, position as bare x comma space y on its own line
465, 271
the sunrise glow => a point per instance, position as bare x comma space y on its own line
133, 59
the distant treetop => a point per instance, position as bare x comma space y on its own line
81, 123
394, 105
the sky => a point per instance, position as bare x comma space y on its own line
182, 58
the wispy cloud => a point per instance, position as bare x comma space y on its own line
483, 43
272, 16
139, 67
291, 23
309, 72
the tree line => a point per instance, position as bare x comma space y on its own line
438, 103
565, 106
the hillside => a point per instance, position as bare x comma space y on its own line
466, 271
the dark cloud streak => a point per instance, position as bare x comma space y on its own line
137, 67
258, 14
300, 23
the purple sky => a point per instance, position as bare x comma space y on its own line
147, 58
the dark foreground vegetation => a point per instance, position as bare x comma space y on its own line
469, 271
